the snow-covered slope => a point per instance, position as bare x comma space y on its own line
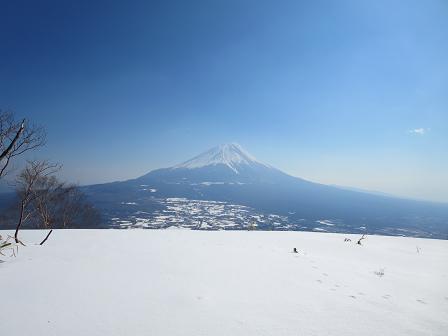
180, 282
230, 155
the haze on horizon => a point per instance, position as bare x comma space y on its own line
347, 93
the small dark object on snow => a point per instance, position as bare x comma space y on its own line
295, 250
347, 240
359, 241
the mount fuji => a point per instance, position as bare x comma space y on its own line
227, 188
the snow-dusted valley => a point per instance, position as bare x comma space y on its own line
184, 282
199, 215
162, 213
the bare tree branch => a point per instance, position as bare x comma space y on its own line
13, 142
16, 138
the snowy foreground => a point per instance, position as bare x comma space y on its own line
180, 282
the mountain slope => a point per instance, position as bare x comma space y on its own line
226, 187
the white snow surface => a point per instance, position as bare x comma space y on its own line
182, 282
231, 155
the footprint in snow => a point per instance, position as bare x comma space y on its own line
324, 274
352, 296
421, 301
319, 281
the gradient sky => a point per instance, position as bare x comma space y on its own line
344, 92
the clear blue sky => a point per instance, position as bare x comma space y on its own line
343, 92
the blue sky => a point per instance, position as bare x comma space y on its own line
326, 90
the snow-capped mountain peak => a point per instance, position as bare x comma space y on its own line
232, 155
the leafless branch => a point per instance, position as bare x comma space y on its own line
16, 138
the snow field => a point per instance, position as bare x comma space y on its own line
181, 282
